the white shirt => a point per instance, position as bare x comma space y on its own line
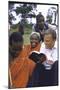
50, 53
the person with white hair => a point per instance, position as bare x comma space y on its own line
33, 46
34, 39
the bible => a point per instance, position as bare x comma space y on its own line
37, 57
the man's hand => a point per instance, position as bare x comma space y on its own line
50, 62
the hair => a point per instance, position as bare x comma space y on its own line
39, 16
52, 32
35, 33
16, 37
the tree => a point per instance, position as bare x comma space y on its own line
10, 15
23, 9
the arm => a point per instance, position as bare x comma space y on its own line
10, 79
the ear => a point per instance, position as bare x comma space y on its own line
54, 40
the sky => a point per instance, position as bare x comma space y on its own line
40, 8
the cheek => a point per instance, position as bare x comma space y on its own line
41, 24
34, 43
48, 44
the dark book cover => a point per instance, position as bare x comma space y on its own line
37, 57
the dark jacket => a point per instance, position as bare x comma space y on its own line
43, 77
39, 30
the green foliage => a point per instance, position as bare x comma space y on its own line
10, 5
26, 39
23, 9
27, 32
14, 26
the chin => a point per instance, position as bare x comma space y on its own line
33, 45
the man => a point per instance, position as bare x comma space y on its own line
50, 50
46, 73
50, 46
41, 26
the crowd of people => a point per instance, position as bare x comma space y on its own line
24, 72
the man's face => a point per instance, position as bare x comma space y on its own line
49, 42
34, 40
16, 48
41, 22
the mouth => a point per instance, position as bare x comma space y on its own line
33, 44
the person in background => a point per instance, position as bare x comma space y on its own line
19, 70
46, 74
41, 26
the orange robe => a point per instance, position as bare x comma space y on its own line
29, 48
20, 70
31, 62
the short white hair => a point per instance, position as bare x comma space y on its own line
36, 33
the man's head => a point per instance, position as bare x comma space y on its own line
49, 38
34, 39
15, 43
40, 21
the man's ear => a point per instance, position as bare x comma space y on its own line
54, 40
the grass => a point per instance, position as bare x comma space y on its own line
26, 39
27, 32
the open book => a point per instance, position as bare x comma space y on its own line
37, 57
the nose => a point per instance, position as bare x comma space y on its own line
47, 43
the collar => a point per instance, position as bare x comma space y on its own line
55, 46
